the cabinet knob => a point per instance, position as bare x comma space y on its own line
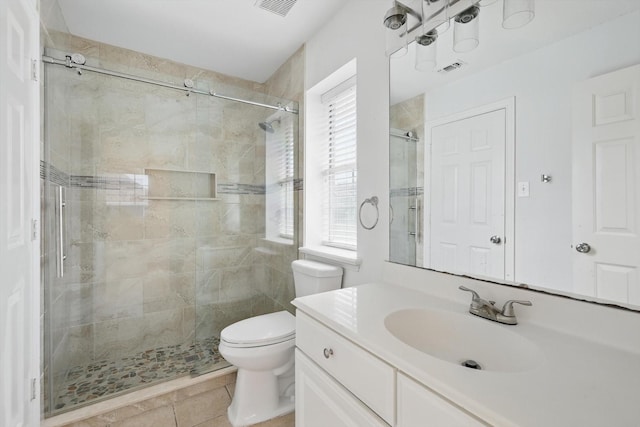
328, 353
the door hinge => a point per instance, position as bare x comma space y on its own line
34, 70
35, 229
33, 389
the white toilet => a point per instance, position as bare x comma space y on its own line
262, 348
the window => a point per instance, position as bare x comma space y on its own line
279, 179
330, 174
339, 171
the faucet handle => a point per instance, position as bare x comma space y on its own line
507, 308
474, 294
476, 301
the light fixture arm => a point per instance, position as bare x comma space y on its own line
455, 7
411, 12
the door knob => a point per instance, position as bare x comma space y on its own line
495, 240
583, 248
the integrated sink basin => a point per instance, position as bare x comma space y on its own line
459, 338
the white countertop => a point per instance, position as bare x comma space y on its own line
577, 382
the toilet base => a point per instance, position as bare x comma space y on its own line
285, 406
260, 396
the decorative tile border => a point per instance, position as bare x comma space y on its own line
241, 189
132, 182
55, 175
407, 192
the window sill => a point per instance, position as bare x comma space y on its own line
336, 255
278, 240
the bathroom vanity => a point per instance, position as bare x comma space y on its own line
386, 355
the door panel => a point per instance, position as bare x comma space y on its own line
468, 194
606, 186
19, 153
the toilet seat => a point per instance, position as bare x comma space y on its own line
260, 331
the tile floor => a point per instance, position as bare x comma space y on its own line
99, 380
203, 404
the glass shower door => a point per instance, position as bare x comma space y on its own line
405, 200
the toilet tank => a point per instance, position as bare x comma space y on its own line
312, 277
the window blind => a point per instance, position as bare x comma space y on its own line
280, 176
339, 168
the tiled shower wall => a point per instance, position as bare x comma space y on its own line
406, 166
144, 273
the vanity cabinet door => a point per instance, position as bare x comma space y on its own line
322, 402
365, 376
420, 407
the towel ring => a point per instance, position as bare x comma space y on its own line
374, 202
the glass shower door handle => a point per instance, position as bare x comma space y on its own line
417, 209
60, 209
414, 233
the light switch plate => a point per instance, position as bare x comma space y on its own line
523, 189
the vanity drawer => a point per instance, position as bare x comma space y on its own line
367, 377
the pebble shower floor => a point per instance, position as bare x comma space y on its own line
98, 380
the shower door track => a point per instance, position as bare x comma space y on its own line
399, 133
81, 67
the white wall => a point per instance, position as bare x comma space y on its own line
542, 83
356, 31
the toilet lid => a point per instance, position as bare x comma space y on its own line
261, 330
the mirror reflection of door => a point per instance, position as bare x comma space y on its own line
606, 186
467, 231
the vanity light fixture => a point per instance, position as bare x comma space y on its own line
517, 13
434, 19
466, 30
435, 15
396, 20
426, 51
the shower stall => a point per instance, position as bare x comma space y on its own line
168, 214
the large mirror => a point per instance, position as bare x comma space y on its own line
519, 161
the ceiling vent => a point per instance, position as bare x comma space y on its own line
279, 7
451, 67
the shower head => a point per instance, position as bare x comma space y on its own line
395, 17
267, 127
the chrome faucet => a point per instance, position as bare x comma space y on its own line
487, 309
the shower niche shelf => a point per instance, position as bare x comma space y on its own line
166, 184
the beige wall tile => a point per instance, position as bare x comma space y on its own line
170, 218
118, 298
163, 291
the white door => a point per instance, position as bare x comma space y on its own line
19, 205
606, 186
467, 229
